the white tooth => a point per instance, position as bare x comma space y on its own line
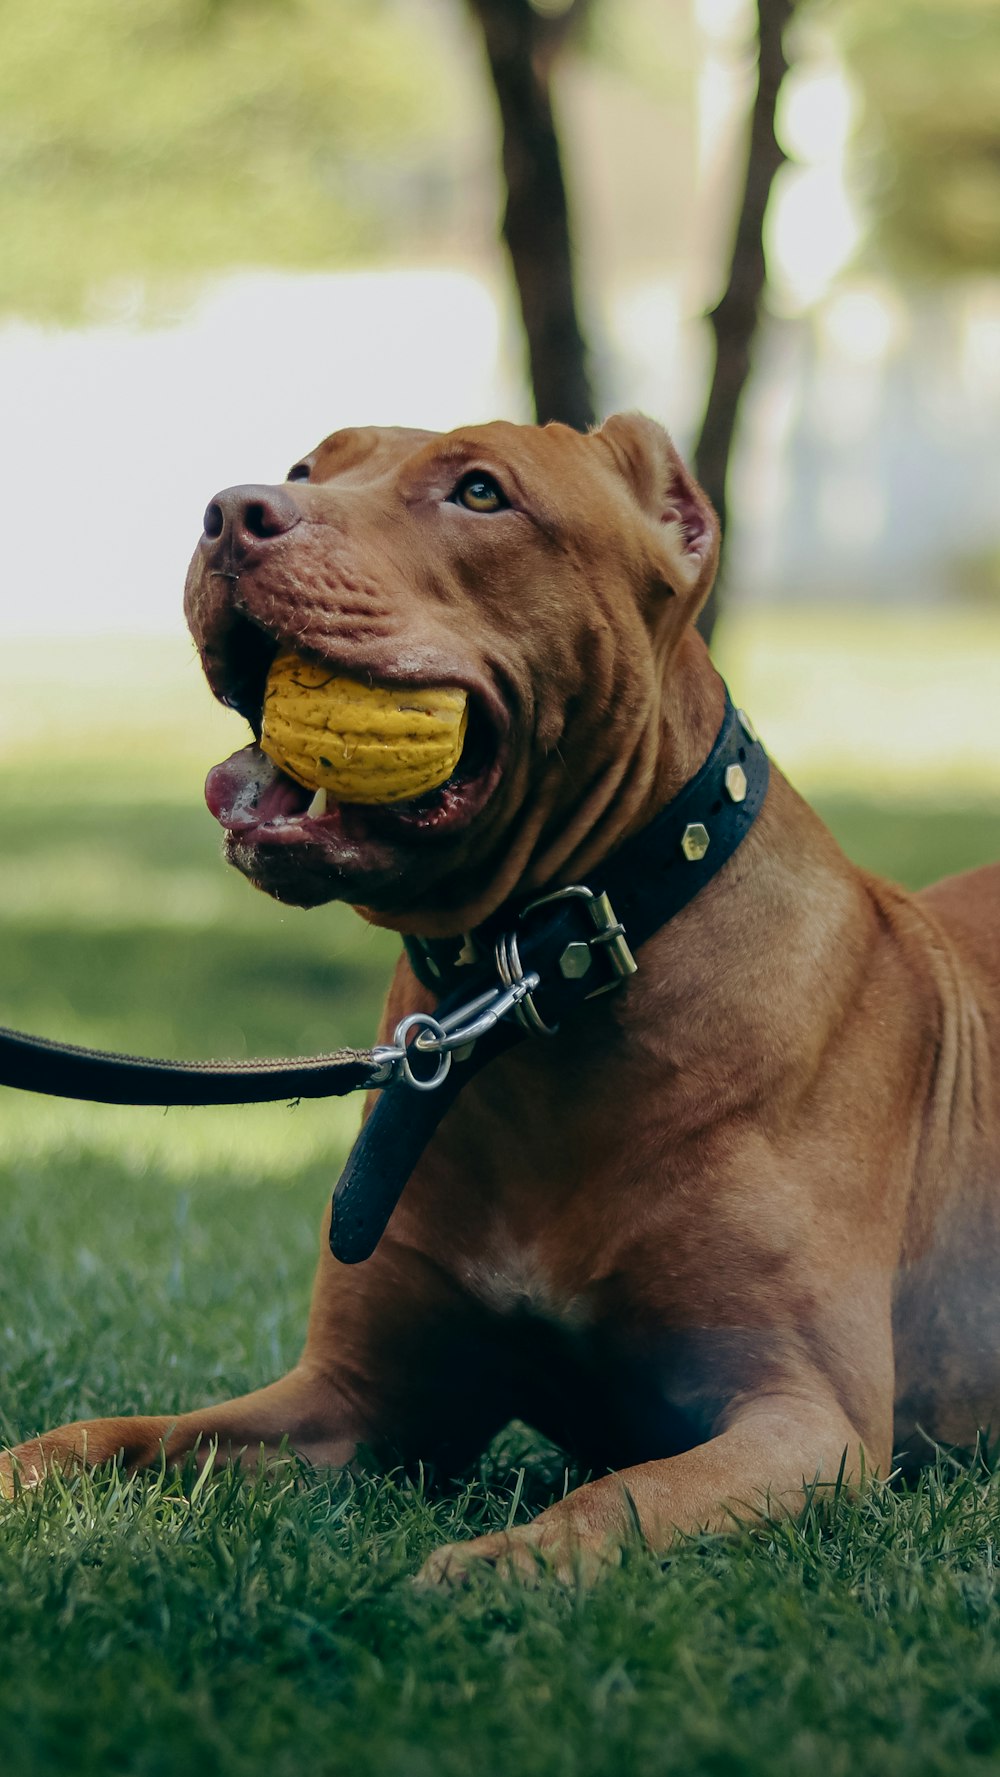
317, 806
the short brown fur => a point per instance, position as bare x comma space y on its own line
739, 1224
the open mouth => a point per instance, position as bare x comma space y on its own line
251, 796
261, 807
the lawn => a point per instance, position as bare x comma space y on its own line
150, 1260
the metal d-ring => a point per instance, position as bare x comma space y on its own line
433, 1029
512, 974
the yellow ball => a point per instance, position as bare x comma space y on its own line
363, 743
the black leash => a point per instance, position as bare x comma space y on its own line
522, 972
64, 1071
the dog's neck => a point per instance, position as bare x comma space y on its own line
710, 996
599, 787
741, 996
629, 788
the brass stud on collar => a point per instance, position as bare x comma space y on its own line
695, 841
736, 783
747, 726
575, 961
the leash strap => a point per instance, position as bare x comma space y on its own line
391, 1141
37, 1065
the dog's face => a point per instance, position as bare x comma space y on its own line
547, 574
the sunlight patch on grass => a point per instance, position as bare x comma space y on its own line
90, 888
242, 1143
894, 703
848, 699
899, 700
141, 705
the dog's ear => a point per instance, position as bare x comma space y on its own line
645, 456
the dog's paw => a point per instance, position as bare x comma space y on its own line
15, 1474
21, 1468
509, 1552
532, 1554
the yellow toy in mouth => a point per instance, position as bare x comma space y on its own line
362, 743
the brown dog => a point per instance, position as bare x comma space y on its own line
736, 1227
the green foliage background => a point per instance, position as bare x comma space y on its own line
176, 137
928, 149
144, 145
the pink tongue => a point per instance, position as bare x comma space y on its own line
248, 789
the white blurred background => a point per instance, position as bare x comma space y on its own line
867, 465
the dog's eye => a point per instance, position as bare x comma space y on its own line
479, 493
298, 472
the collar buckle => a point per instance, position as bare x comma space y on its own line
576, 958
455, 1034
610, 938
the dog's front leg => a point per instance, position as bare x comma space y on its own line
761, 1464
393, 1361
303, 1408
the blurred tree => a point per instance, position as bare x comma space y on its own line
734, 318
523, 41
929, 72
190, 135
180, 136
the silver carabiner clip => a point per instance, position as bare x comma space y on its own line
431, 1028
445, 1037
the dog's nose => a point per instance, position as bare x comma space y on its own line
245, 517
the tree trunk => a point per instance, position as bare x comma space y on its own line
520, 47
734, 319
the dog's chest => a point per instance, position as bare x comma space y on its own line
539, 1196
583, 1370
513, 1278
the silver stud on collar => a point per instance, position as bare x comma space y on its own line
695, 841
747, 726
736, 783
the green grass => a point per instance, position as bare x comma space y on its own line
269, 1624
151, 1261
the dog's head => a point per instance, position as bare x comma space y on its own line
549, 575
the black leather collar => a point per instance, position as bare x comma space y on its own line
580, 941
647, 880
